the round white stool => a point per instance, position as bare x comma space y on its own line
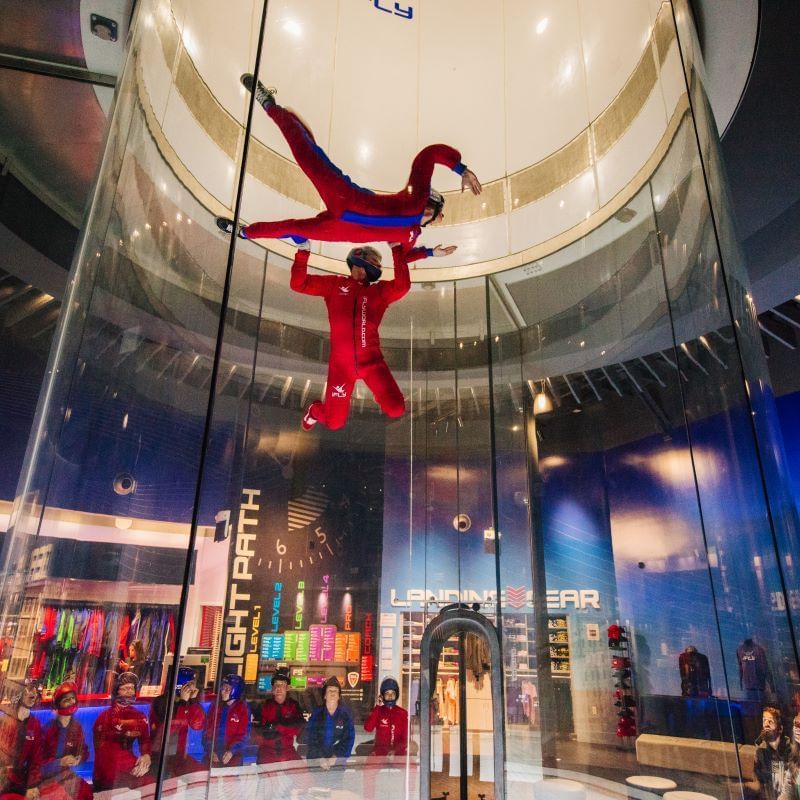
559, 789
682, 795
651, 783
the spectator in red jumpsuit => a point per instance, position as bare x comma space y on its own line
187, 714
389, 721
21, 747
281, 721
356, 306
116, 731
352, 213
64, 748
230, 724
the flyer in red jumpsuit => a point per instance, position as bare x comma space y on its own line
281, 722
115, 732
230, 726
355, 311
64, 748
186, 716
20, 755
353, 213
391, 730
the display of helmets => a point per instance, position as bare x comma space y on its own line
620, 662
625, 713
623, 684
626, 727
185, 675
63, 692
621, 674
625, 701
236, 682
435, 203
281, 674
360, 257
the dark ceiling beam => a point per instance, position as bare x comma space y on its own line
56, 69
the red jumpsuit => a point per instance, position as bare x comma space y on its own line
230, 725
20, 754
355, 311
391, 730
62, 782
184, 716
352, 213
282, 722
115, 731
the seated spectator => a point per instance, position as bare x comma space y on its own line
281, 721
21, 746
116, 731
330, 733
230, 724
64, 748
791, 780
187, 715
772, 754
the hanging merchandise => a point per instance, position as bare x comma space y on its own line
84, 644
624, 697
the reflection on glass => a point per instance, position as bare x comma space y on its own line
576, 465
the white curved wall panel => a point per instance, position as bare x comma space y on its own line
299, 59
546, 100
555, 213
198, 152
615, 33
461, 91
621, 163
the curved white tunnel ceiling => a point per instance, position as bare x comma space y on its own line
562, 108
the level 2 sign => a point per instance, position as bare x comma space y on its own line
399, 10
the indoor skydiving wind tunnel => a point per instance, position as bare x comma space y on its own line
574, 551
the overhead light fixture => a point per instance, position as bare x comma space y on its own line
542, 404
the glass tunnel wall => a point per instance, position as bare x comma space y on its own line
578, 461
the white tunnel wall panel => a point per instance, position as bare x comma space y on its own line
222, 52
299, 62
546, 101
156, 74
198, 152
461, 99
673, 84
374, 130
613, 43
558, 211
617, 167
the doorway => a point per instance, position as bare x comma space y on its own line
462, 742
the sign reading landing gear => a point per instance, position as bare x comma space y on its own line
512, 597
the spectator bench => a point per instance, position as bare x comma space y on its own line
695, 755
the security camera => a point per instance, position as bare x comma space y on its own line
462, 523
124, 483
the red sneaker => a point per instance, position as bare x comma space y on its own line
309, 420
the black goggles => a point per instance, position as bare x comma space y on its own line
373, 272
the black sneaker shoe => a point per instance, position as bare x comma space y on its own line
264, 96
226, 226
